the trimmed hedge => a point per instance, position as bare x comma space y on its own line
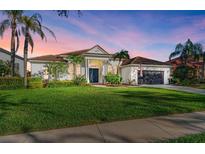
11, 83
57, 83
16, 83
35, 83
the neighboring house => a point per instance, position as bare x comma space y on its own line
197, 65
19, 61
99, 62
140, 70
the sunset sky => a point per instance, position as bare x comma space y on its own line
151, 34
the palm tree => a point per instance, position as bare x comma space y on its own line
31, 25
75, 59
123, 54
12, 21
203, 67
188, 50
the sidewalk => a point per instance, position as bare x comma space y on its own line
178, 88
139, 130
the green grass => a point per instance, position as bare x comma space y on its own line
200, 86
194, 138
41, 109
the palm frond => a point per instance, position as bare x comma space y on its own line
50, 31
36, 16
3, 26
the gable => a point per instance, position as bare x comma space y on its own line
97, 50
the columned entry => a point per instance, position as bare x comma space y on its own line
94, 75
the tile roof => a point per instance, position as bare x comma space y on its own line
59, 57
78, 52
9, 53
48, 58
142, 60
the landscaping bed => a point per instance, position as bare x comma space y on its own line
26, 110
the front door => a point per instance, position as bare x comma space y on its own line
93, 75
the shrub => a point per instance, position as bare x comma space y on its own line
58, 83
201, 81
80, 81
4, 68
11, 82
35, 82
184, 75
184, 72
113, 79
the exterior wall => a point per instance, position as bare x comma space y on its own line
130, 73
39, 69
113, 66
126, 74
7, 57
70, 74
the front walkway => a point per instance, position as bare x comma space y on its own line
139, 130
178, 88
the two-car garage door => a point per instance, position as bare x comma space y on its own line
151, 77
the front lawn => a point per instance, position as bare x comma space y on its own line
194, 138
41, 109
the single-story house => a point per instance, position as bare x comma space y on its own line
140, 70
19, 61
98, 62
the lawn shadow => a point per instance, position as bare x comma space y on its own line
194, 121
161, 103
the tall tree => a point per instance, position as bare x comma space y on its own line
75, 59
203, 67
65, 13
32, 25
187, 50
12, 21
123, 54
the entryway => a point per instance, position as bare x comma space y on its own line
94, 75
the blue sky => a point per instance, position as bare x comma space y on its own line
152, 34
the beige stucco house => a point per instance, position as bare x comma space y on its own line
98, 62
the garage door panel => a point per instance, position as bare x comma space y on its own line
151, 77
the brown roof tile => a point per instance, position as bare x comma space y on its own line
9, 53
142, 60
48, 58
59, 57
78, 52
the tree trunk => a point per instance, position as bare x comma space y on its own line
13, 52
203, 70
25, 59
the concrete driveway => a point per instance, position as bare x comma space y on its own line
138, 130
178, 88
